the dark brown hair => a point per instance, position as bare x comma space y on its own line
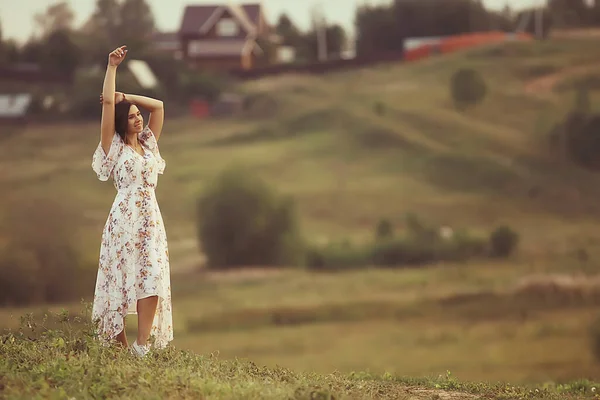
121, 118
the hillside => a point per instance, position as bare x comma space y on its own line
39, 363
352, 148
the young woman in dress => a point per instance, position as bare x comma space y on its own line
134, 273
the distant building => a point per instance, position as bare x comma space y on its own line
219, 36
14, 107
168, 43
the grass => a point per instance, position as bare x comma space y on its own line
37, 362
413, 323
351, 148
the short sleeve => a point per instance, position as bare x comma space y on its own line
149, 140
102, 163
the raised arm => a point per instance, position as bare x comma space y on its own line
156, 108
107, 125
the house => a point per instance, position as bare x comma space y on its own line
222, 36
14, 106
168, 43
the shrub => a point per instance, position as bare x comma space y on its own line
582, 139
414, 251
503, 242
467, 88
384, 229
379, 108
202, 85
260, 105
464, 246
39, 260
337, 256
242, 222
583, 103
594, 332
424, 244
403, 252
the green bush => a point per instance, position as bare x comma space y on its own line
503, 242
582, 139
583, 103
384, 229
195, 85
403, 252
264, 105
39, 258
464, 246
379, 108
243, 222
414, 251
467, 88
421, 244
594, 333
337, 257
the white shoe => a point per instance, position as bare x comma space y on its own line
139, 350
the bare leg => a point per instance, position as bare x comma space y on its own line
146, 308
122, 337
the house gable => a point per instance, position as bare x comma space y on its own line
223, 34
202, 20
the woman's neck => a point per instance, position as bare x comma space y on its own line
131, 140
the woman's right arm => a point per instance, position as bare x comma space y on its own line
107, 125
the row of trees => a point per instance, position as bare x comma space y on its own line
58, 47
382, 28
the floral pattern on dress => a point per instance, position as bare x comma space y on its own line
134, 256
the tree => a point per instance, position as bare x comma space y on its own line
9, 51
105, 22
60, 55
377, 31
569, 13
32, 52
290, 34
136, 24
58, 16
2, 48
335, 43
467, 88
113, 24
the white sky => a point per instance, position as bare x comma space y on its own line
16, 16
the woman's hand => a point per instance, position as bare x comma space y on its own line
117, 56
119, 97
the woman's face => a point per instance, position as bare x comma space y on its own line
135, 121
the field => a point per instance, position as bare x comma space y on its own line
351, 148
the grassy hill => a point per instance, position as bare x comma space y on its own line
351, 148
37, 362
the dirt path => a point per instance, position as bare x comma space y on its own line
423, 393
545, 84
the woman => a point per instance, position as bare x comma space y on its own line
133, 274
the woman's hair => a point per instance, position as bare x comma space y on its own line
121, 118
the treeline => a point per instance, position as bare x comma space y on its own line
78, 54
57, 46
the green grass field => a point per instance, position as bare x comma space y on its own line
351, 148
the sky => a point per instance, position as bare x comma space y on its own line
16, 17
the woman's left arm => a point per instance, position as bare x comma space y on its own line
156, 108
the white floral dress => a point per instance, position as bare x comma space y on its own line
134, 258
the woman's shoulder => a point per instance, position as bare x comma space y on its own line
147, 136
